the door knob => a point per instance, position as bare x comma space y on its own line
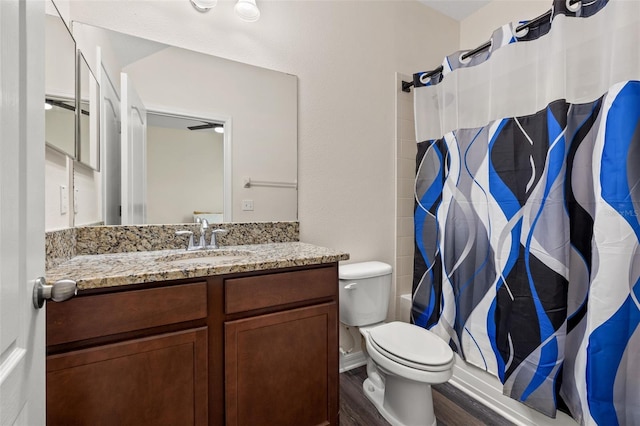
58, 292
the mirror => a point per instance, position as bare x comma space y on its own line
60, 84
88, 150
256, 107
171, 144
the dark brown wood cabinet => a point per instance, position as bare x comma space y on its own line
279, 368
129, 357
238, 349
159, 380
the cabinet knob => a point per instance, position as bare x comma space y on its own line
58, 292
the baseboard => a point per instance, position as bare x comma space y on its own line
352, 360
487, 390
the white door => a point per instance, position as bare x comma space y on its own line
110, 154
22, 339
134, 154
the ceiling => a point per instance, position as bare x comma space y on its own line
456, 9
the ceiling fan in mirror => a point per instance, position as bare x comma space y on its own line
217, 127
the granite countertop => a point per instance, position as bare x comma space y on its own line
117, 269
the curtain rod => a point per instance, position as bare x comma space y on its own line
407, 85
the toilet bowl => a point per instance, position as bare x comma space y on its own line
404, 360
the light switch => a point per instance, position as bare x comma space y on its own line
247, 205
64, 199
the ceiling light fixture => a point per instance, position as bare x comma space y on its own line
247, 10
47, 106
218, 129
203, 5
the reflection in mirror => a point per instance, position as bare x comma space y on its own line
257, 106
110, 152
60, 83
194, 183
60, 124
89, 117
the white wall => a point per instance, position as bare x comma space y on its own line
87, 195
57, 170
60, 129
106, 67
59, 58
63, 7
83, 184
84, 204
478, 27
345, 54
179, 182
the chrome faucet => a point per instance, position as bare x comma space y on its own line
214, 240
204, 224
203, 229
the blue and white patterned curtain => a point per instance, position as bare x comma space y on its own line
527, 216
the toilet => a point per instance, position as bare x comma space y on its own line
404, 360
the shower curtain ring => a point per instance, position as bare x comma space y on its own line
573, 5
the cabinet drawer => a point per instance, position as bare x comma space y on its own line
248, 293
106, 314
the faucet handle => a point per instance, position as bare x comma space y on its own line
214, 240
191, 245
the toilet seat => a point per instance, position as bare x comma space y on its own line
411, 346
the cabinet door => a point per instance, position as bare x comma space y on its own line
159, 380
282, 368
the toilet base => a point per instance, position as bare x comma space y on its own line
408, 403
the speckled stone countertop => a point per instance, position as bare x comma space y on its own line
118, 269
64, 244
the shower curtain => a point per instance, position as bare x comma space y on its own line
527, 217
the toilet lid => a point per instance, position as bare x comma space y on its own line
412, 343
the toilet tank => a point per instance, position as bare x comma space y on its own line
364, 292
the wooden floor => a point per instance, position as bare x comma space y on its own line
452, 406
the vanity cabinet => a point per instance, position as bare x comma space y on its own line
159, 380
281, 368
129, 358
239, 349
